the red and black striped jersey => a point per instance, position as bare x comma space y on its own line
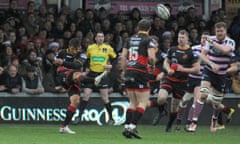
138, 46
184, 57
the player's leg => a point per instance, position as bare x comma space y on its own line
129, 114
160, 114
228, 111
182, 107
74, 101
165, 90
220, 125
138, 93
154, 89
204, 91
100, 77
142, 102
83, 104
191, 110
215, 100
107, 103
173, 113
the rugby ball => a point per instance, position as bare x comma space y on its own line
162, 11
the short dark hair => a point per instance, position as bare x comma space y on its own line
144, 25
30, 68
75, 42
221, 24
184, 32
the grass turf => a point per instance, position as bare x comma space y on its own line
93, 134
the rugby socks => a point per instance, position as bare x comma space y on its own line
181, 111
226, 109
69, 114
161, 108
172, 117
198, 109
220, 119
138, 113
153, 103
82, 107
190, 114
109, 110
215, 113
129, 116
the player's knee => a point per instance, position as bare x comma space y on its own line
105, 98
161, 100
86, 97
215, 100
204, 90
182, 104
186, 98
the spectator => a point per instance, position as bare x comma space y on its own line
39, 48
11, 80
31, 24
171, 17
73, 28
67, 35
21, 31
42, 14
13, 23
12, 10
106, 25
158, 27
6, 56
79, 35
129, 27
2, 37
120, 16
102, 14
85, 43
49, 73
194, 36
202, 26
2, 86
191, 16
181, 21
97, 27
54, 46
31, 60
22, 45
135, 16
213, 19
59, 30
79, 16
31, 83
88, 23
12, 38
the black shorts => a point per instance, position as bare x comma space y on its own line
136, 80
176, 88
218, 82
74, 90
154, 87
90, 84
192, 83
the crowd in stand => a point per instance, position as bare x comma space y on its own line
32, 38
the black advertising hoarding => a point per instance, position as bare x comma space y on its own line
52, 108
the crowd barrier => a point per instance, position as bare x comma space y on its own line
51, 108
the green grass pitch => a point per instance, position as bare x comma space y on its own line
93, 134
